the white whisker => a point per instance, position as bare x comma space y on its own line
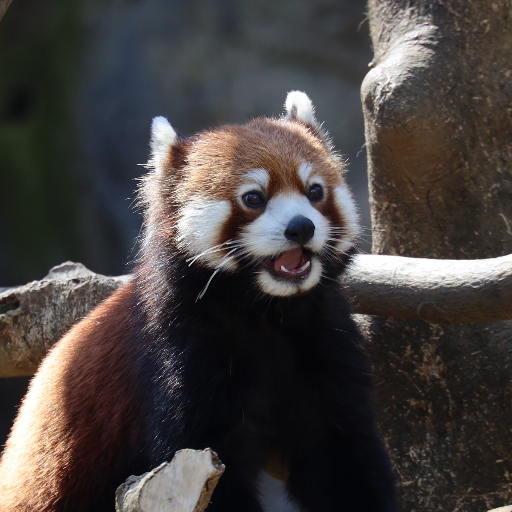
201, 295
211, 250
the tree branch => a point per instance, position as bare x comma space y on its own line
438, 291
34, 316
185, 484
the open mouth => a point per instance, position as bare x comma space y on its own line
292, 264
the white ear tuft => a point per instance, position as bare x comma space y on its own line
299, 106
162, 136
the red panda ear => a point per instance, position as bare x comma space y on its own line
166, 145
299, 107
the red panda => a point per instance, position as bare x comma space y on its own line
232, 334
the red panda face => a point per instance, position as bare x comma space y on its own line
267, 197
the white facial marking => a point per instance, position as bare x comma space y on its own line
299, 105
305, 169
199, 227
162, 137
309, 178
255, 179
265, 236
345, 203
258, 176
281, 288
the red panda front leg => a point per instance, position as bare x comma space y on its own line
337, 460
342, 471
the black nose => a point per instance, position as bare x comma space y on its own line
300, 229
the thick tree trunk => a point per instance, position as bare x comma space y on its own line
438, 113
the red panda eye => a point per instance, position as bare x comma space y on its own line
316, 192
253, 199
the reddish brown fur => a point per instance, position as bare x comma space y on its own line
75, 415
278, 146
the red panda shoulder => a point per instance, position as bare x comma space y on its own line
80, 412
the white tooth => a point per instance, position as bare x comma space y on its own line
305, 266
284, 269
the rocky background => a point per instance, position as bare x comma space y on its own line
80, 82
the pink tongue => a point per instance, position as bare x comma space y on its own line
289, 259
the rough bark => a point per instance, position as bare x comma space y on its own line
185, 484
33, 317
437, 105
